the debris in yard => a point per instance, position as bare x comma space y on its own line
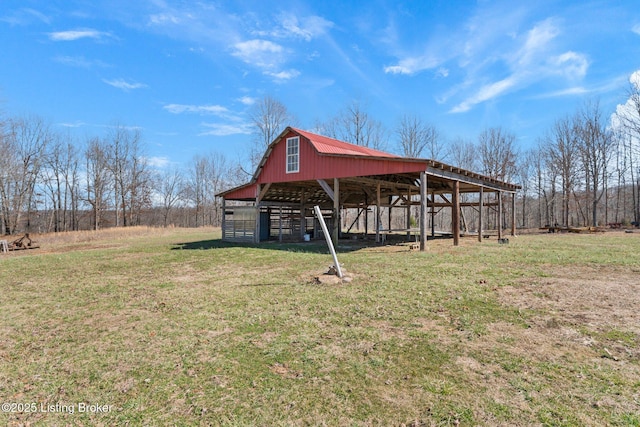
21, 243
331, 277
609, 355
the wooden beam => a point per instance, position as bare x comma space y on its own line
513, 214
499, 215
256, 237
423, 211
480, 209
378, 219
335, 232
224, 217
453, 174
303, 223
366, 214
433, 216
280, 225
374, 182
408, 204
327, 189
462, 205
455, 213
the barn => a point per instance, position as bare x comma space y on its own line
301, 169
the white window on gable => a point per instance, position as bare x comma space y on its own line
293, 154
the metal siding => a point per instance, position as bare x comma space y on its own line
316, 166
242, 193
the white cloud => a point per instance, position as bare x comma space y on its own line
635, 79
442, 72
538, 39
124, 85
570, 64
72, 35
485, 93
72, 125
25, 16
158, 162
628, 110
261, 53
247, 100
197, 109
572, 91
220, 129
532, 62
164, 19
310, 27
283, 75
636, 29
290, 25
413, 65
80, 61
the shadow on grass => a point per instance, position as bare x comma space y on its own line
306, 247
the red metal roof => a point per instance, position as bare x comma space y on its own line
321, 157
326, 145
326, 158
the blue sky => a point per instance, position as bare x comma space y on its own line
187, 72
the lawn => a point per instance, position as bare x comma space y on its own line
174, 327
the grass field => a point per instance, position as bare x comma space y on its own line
174, 327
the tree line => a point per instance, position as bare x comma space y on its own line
50, 182
585, 169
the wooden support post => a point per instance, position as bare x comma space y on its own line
433, 215
224, 217
336, 211
455, 213
256, 237
513, 214
366, 215
303, 222
499, 215
389, 213
280, 225
423, 211
409, 215
480, 209
378, 219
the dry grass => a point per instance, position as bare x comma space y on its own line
175, 327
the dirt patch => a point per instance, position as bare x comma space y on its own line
585, 306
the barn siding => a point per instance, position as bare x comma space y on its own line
315, 166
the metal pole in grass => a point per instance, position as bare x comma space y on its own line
328, 239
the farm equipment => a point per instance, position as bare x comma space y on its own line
21, 243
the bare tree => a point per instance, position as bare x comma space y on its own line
498, 153
130, 173
561, 151
628, 121
498, 156
463, 154
206, 178
60, 179
417, 137
269, 117
357, 127
526, 171
354, 125
98, 179
23, 146
596, 150
171, 187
